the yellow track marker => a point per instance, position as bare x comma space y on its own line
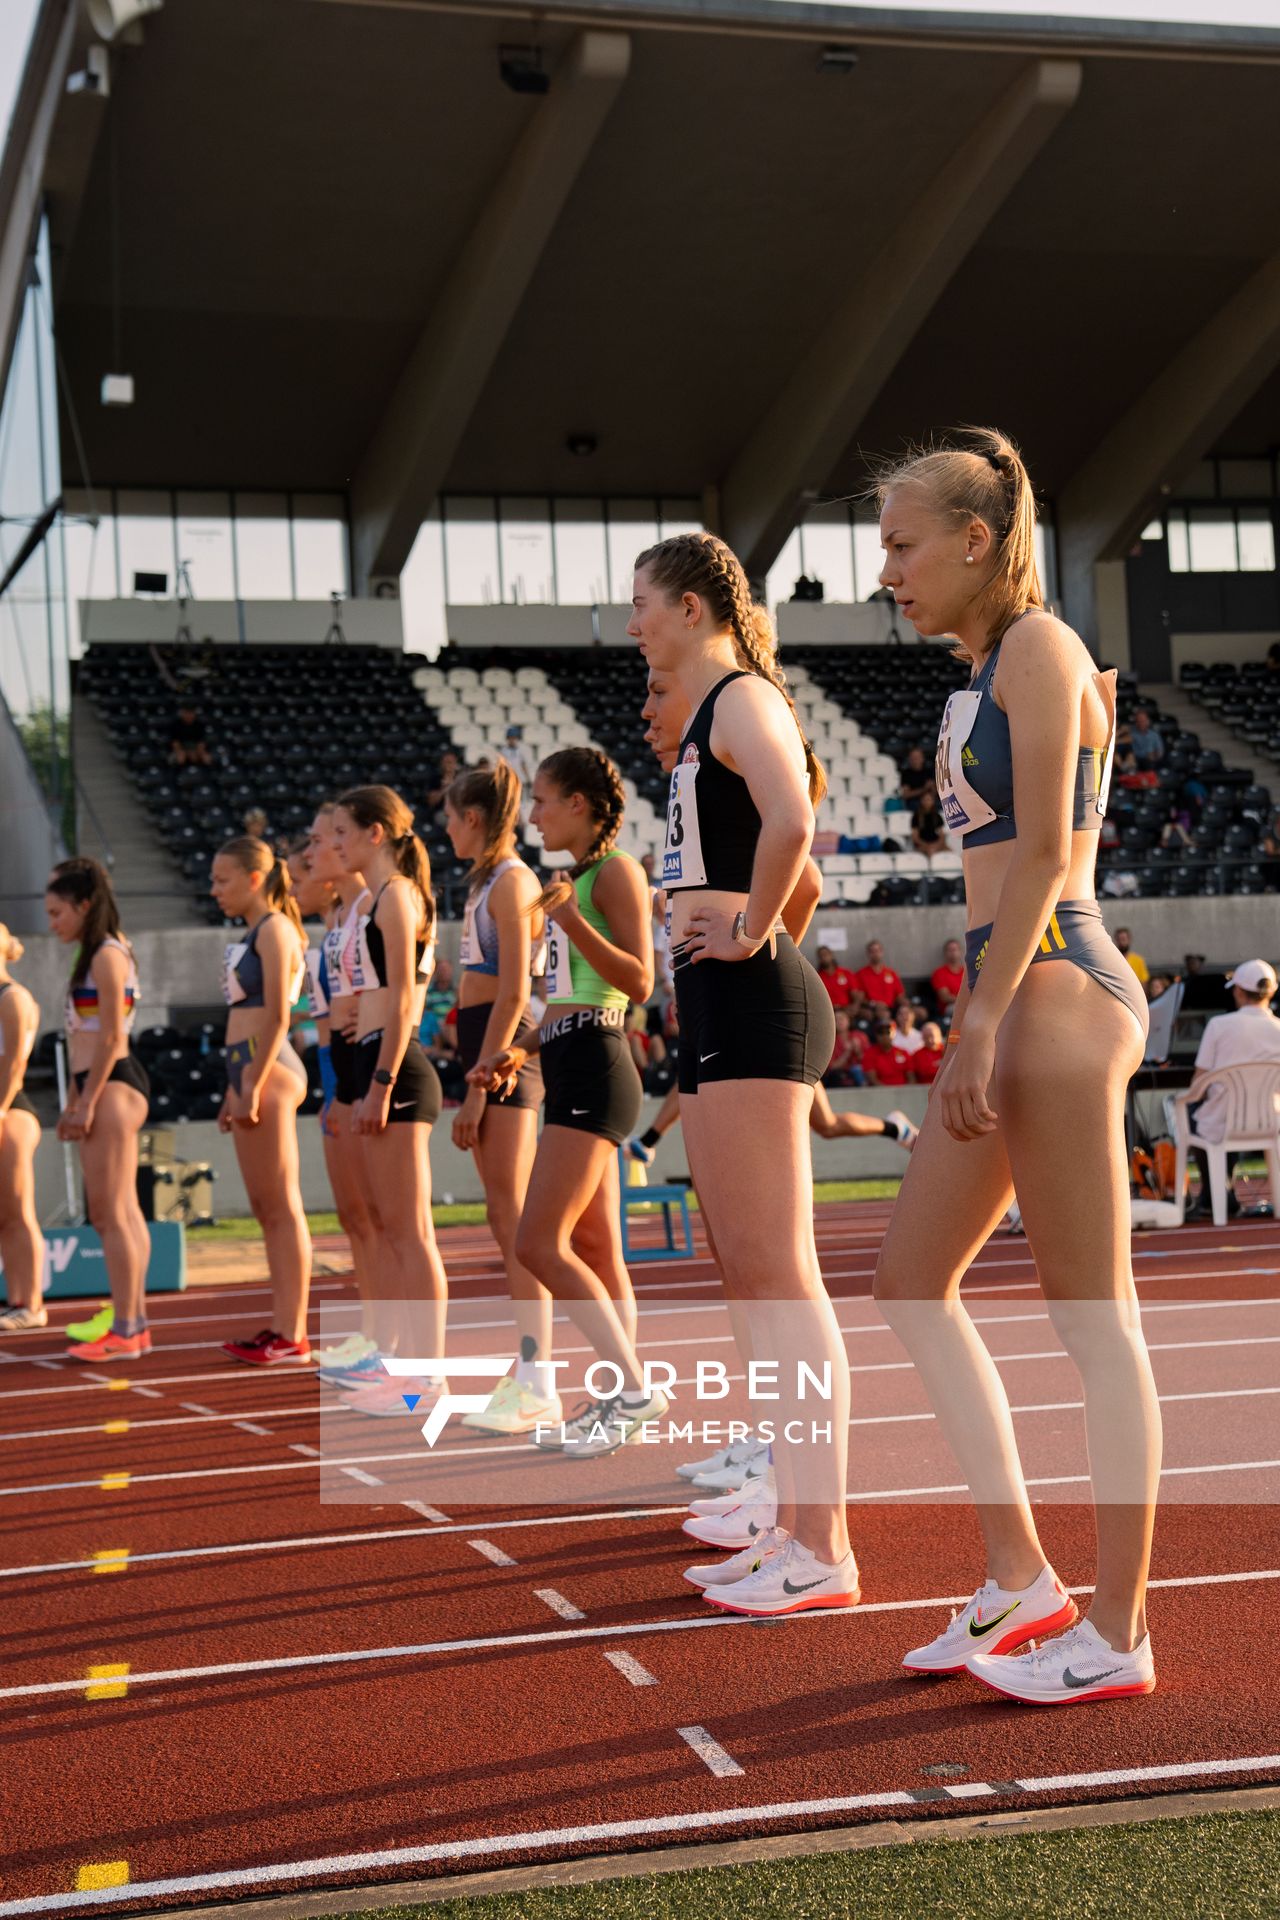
111, 1559
110, 1482
102, 1873
118, 1386
116, 1426
109, 1683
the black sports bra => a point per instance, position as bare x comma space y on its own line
713, 824
371, 951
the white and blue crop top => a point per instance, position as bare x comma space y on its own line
974, 767
478, 952
341, 944
83, 1012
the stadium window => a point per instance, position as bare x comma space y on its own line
319, 545
678, 516
1221, 540
144, 538
582, 569
826, 550
1179, 550
1154, 530
868, 557
264, 553
204, 544
1212, 535
1255, 533
630, 531
781, 581
472, 570
422, 595
524, 544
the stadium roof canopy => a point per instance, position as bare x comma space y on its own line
350, 257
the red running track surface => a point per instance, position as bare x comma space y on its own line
362, 1696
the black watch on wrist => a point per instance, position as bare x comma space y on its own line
384, 1079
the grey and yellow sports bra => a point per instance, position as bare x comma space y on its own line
974, 768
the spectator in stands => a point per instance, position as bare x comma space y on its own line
948, 979
1176, 831
1124, 941
516, 755
254, 821
1252, 1032
450, 768
914, 776
1148, 746
1158, 983
187, 744
447, 1061
925, 1063
885, 1062
880, 983
1271, 838
845, 1069
907, 1034
437, 1005
928, 832
1273, 657
1124, 763
839, 982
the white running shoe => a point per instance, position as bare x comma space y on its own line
908, 1132
514, 1407
1077, 1666
790, 1581
753, 1513
721, 1502
346, 1353
996, 1620
727, 1456
723, 1573
605, 1425
729, 1478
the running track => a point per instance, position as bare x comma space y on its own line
215, 1687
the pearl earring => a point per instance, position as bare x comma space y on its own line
968, 559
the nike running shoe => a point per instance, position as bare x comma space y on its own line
384, 1397
1077, 1666
92, 1329
743, 1524
358, 1374
606, 1425
723, 1573
728, 1479
23, 1319
907, 1132
996, 1620
347, 1351
272, 1351
112, 1346
792, 1580
638, 1151
730, 1456
721, 1502
514, 1407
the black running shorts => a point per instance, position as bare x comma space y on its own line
592, 1082
416, 1094
128, 1072
766, 1018
527, 1091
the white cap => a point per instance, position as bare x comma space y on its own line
1253, 976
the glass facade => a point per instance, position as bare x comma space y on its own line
1221, 539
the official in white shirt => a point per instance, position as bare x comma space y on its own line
1252, 1032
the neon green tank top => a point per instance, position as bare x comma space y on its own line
571, 979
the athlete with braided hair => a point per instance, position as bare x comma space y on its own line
752, 1010
599, 960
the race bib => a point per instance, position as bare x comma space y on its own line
315, 991
231, 988
555, 984
469, 954
963, 808
682, 861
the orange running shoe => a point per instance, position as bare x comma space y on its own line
112, 1346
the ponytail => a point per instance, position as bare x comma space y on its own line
493, 793
701, 563
383, 807
978, 474
85, 883
255, 856
587, 771
11, 948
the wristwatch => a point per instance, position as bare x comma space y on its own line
384, 1079
740, 933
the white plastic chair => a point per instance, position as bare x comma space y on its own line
1251, 1120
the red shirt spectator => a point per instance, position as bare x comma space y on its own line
948, 979
925, 1063
880, 983
884, 1062
839, 982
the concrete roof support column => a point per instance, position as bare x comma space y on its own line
405, 464
802, 436
22, 167
1105, 505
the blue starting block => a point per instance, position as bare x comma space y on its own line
75, 1268
669, 1198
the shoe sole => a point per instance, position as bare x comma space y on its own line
276, 1359
101, 1359
501, 1433
797, 1606
733, 1545
1010, 1642
1072, 1699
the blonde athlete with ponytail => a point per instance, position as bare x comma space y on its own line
756, 1035
599, 959
1047, 1030
503, 946
396, 1093
21, 1242
263, 974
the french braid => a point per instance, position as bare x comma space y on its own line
587, 771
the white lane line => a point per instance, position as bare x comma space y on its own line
248, 1426
198, 1406
148, 1393
425, 1512
490, 1552
558, 1604
710, 1752
300, 1446
1063, 1480
170, 1420
631, 1669
551, 1636
555, 1840
365, 1479
82, 1382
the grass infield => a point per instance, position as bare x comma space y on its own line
472, 1213
1213, 1867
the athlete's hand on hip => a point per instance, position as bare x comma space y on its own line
966, 1114
708, 935
466, 1122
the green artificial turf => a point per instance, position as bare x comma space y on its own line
1207, 1867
